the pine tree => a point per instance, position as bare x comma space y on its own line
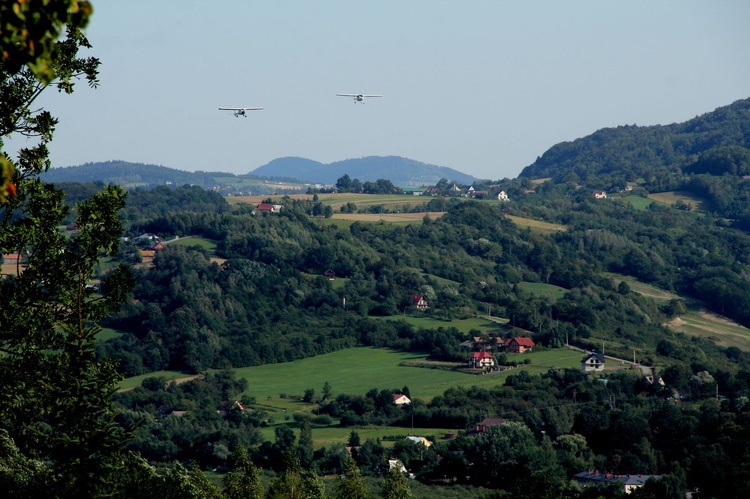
244, 482
351, 485
396, 485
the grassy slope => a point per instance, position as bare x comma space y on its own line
357, 370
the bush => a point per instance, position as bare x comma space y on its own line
322, 420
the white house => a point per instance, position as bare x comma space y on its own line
502, 196
400, 399
593, 362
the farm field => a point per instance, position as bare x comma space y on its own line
718, 329
357, 370
537, 225
698, 321
672, 197
202, 242
642, 288
336, 200
463, 325
638, 202
130, 383
541, 289
328, 435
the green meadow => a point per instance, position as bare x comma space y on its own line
545, 290
463, 325
202, 242
357, 370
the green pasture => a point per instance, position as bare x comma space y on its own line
440, 280
357, 370
346, 224
202, 242
638, 202
545, 290
463, 325
107, 334
329, 435
135, 381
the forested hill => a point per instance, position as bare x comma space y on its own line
721, 138
131, 175
402, 172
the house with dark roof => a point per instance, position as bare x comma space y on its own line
627, 482
593, 362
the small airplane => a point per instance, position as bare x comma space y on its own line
358, 97
240, 111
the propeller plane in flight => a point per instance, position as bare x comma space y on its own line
240, 111
358, 97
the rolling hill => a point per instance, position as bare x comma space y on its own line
402, 172
649, 151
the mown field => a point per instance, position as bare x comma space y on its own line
463, 325
674, 197
537, 225
541, 289
718, 329
357, 370
697, 321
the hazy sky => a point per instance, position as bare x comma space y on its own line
480, 86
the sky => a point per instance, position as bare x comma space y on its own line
484, 87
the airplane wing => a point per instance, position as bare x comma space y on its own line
240, 108
372, 96
347, 95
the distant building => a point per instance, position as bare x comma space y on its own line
628, 482
420, 440
519, 345
11, 258
593, 362
600, 195
502, 196
481, 359
480, 428
330, 274
419, 301
401, 399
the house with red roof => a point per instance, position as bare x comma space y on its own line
267, 208
482, 426
481, 359
419, 301
519, 345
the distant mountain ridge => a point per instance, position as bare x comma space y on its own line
130, 174
402, 172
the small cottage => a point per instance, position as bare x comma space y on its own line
519, 345
401, 399
593, 362
481, 359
